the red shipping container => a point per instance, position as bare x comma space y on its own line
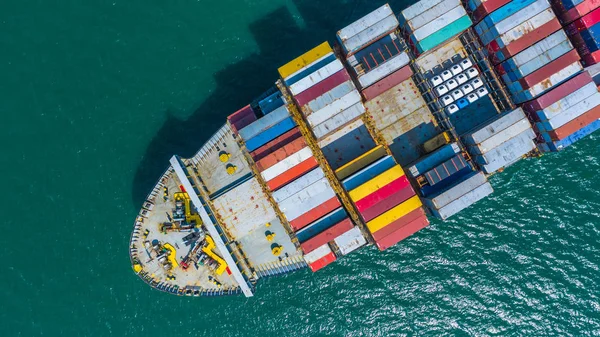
322, 262
311, 215
579, 44
549, 69
578, 11
322, 87
388, 203
558, 93
382, 193
280, 154
241, 118
524, 41
387, 83
327, 235
292, 174
402, 233
576, 124
591, 59
276, 144
403, 221
584, 23
486, 8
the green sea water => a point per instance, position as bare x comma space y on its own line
97, 95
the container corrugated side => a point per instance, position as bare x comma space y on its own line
538, 62
365, 22
402, 233
388, 203
241, 118
270, 134
572, 112
321, 225
416, 9
521, 30
307, 199
276, 144
394, 104
387, 83
394, 214
312, 68
327, 235
316, 77
369, 172
384, 70
334, 108
322, 87
356, 42
530, 53
360, 162
510, 22
339, 120
305, 59
500, 137
498, 124
558, 92
298, 185
430, 161
464, 201
287, 164
438, 23
445, 197
554, 79
575, 125
501, 14
352, 145
431, 14
381, 194
511, 151
498, 55
279, 155
584, 22
316, 211
328, 98
376, 183
350, 241
292, 174
567, 102
575, 137
417, 214
444, 34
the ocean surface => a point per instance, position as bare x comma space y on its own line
97, 95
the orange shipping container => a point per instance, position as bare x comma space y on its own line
292, 174
280, 154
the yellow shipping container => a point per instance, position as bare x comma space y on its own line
376, 183
394, 214
305, 59
357, 164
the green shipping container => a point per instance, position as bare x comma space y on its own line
444, 34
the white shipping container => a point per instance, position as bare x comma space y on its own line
298, 185
287, 164
514, 20
264, 123
369, 35
432, 13
304, 194
509, 152
500, 123
543, 59
500, 137
537, 49
338, 120
528, 26
418, 8
317, 254
465, 201
334, 108
365, 22
572, 112
456, 191
316, 77
384, 70
439, 23
350, 241
304, 205
551, 81
341, 133
568, 101
328, 97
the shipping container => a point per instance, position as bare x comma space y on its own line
430, 161
270, 134
383, 193
573, 138
498, 124
464, 201
322, 262
540, 31
557, 93
403, 221
500, 137
376, 183
292, 174
287, 164
431, 14
316, 77
368, 173
394, 104
388, 203
417, 9
546, 84
532, 52
326, 236
352, 145
446, 169
384, 70
566, 102
443, 34
298, 185
538, 62
313, 68
510, 22
343, 131
271, 103
350, 241
544, 72
459, 189
328, 98
501, 14
321, 225
334, 123
394, 214
302, 201
438, 23
276, 144
584, 23
304, 60
319, 258
360, 162
575, 125
521, 30
375, 54
334, 108
316, 211
241, 118
449, 50
279, 155
572, 112
402, 233
322, 87
509, 152
484, 8
578, 11
387, 83
378, 23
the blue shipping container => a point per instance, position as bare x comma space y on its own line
321, 225
575, 137
437, 157
368, 173
591, 36
378, 52
271, 103
429, 190
270, 134
501, 14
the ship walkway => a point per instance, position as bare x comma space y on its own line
212, 230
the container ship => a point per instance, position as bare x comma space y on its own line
362, 141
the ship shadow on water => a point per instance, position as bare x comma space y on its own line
280, 38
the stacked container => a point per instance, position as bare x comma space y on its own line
501, 142
383, 197
585, 35
571, 10
566, 114
427, 24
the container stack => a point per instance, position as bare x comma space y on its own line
501, 142
373, 49
571, 10
446, 181
526, 43
383, 197
566, 114
428, 24
585, 35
